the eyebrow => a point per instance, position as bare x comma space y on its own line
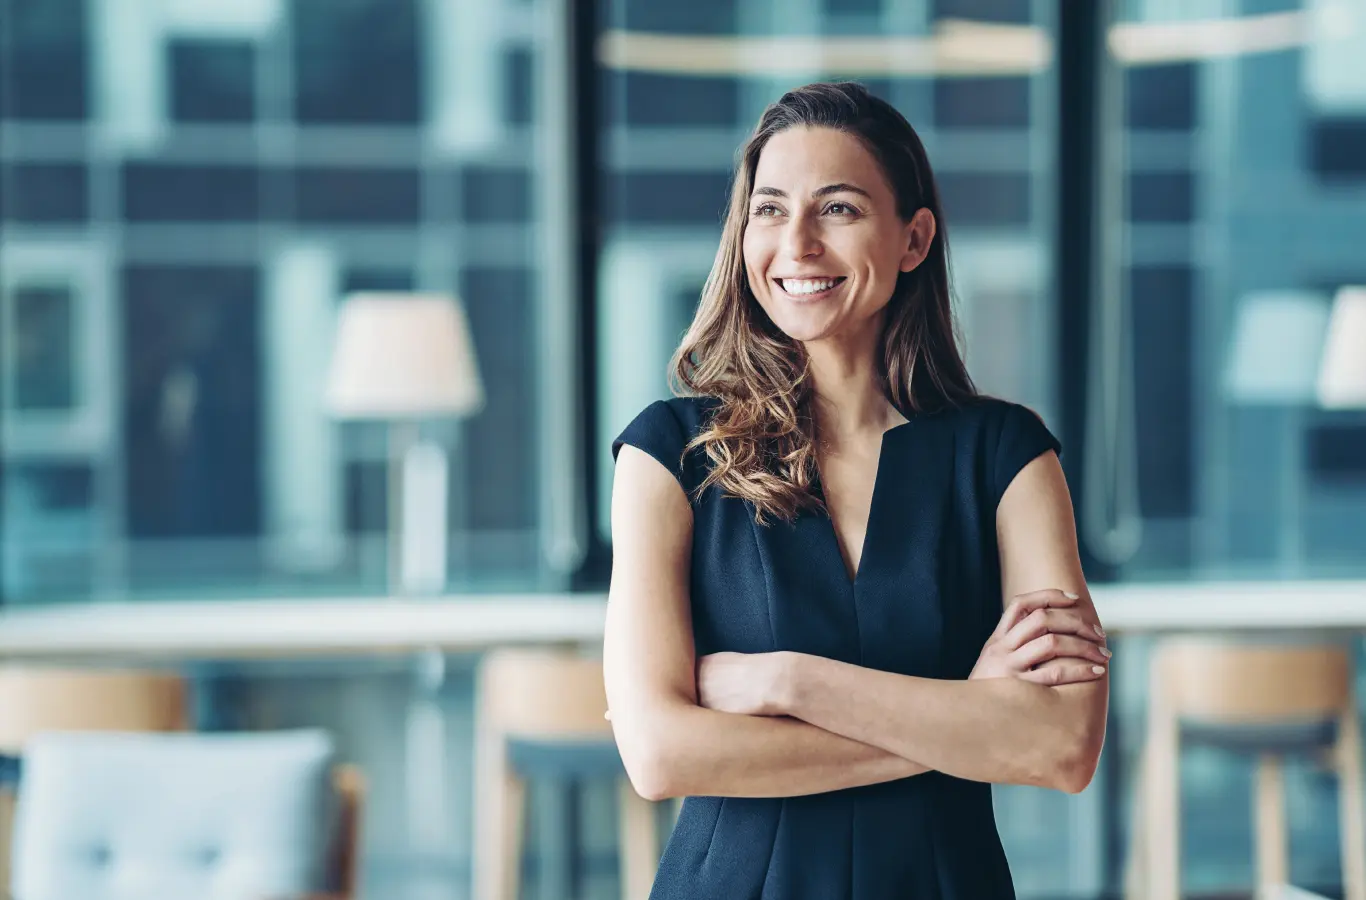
842, 187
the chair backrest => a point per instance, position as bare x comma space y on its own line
117, 816
1226, 681
537, 693
34, 700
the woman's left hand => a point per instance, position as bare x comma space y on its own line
749, 684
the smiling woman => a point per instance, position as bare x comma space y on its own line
845, 593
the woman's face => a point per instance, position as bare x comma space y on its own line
824, 244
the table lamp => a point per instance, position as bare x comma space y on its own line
1342, 375
402, 358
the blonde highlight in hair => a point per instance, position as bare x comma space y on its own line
760, 441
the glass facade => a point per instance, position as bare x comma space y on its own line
1242, 180
188, 192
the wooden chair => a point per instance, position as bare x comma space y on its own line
1263, 700
37, 699
540, 715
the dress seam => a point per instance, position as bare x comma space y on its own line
768, 577
777, 830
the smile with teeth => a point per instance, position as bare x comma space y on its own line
808, 287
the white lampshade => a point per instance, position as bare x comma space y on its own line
403, 355
1277, 341
1342, 378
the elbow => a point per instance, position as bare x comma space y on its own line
650, 777
1077, 765
650, 766
1075, 777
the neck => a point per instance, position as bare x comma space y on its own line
850, 400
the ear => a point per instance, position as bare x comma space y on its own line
919, 235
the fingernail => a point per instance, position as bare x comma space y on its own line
1100, 631
607, 715
1069, 595
1105, 652
1099, 670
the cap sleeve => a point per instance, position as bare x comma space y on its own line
1023, 438
658, 432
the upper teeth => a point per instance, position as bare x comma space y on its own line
803, 286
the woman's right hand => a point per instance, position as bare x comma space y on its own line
1037, 628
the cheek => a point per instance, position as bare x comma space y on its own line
756, 260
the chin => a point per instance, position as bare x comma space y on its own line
801, 325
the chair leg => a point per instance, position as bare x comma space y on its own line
1351, 817
639, 843
1163, 808
1136, 864
499, 822
1273, 865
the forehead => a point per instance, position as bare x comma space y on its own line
803, 159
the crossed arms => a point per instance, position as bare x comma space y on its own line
786, 724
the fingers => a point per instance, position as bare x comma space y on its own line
1069, 673
1024, 604
1055, 646
1055, 621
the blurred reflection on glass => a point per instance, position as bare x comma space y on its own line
1243, 140
186, 190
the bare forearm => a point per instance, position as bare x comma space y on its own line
692, 751
998, 730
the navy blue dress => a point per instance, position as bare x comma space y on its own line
925, 598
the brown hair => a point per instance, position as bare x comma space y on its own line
761, 438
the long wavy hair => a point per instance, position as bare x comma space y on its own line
760, 439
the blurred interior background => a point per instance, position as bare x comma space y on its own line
220, 220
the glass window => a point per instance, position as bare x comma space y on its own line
343, 195
192, 405
43, 347
160, 192
43, 192
1241, 222
214, 243
212, 81
43, 60
357, 61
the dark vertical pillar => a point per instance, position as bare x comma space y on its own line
587, 118
1082, 28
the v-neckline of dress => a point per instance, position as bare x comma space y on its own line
833, 532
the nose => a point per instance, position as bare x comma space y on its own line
801, 238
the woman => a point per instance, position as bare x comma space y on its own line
845, 594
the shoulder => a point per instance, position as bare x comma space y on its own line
663, 430
997, 438
674, 421
988, 423
692, 413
